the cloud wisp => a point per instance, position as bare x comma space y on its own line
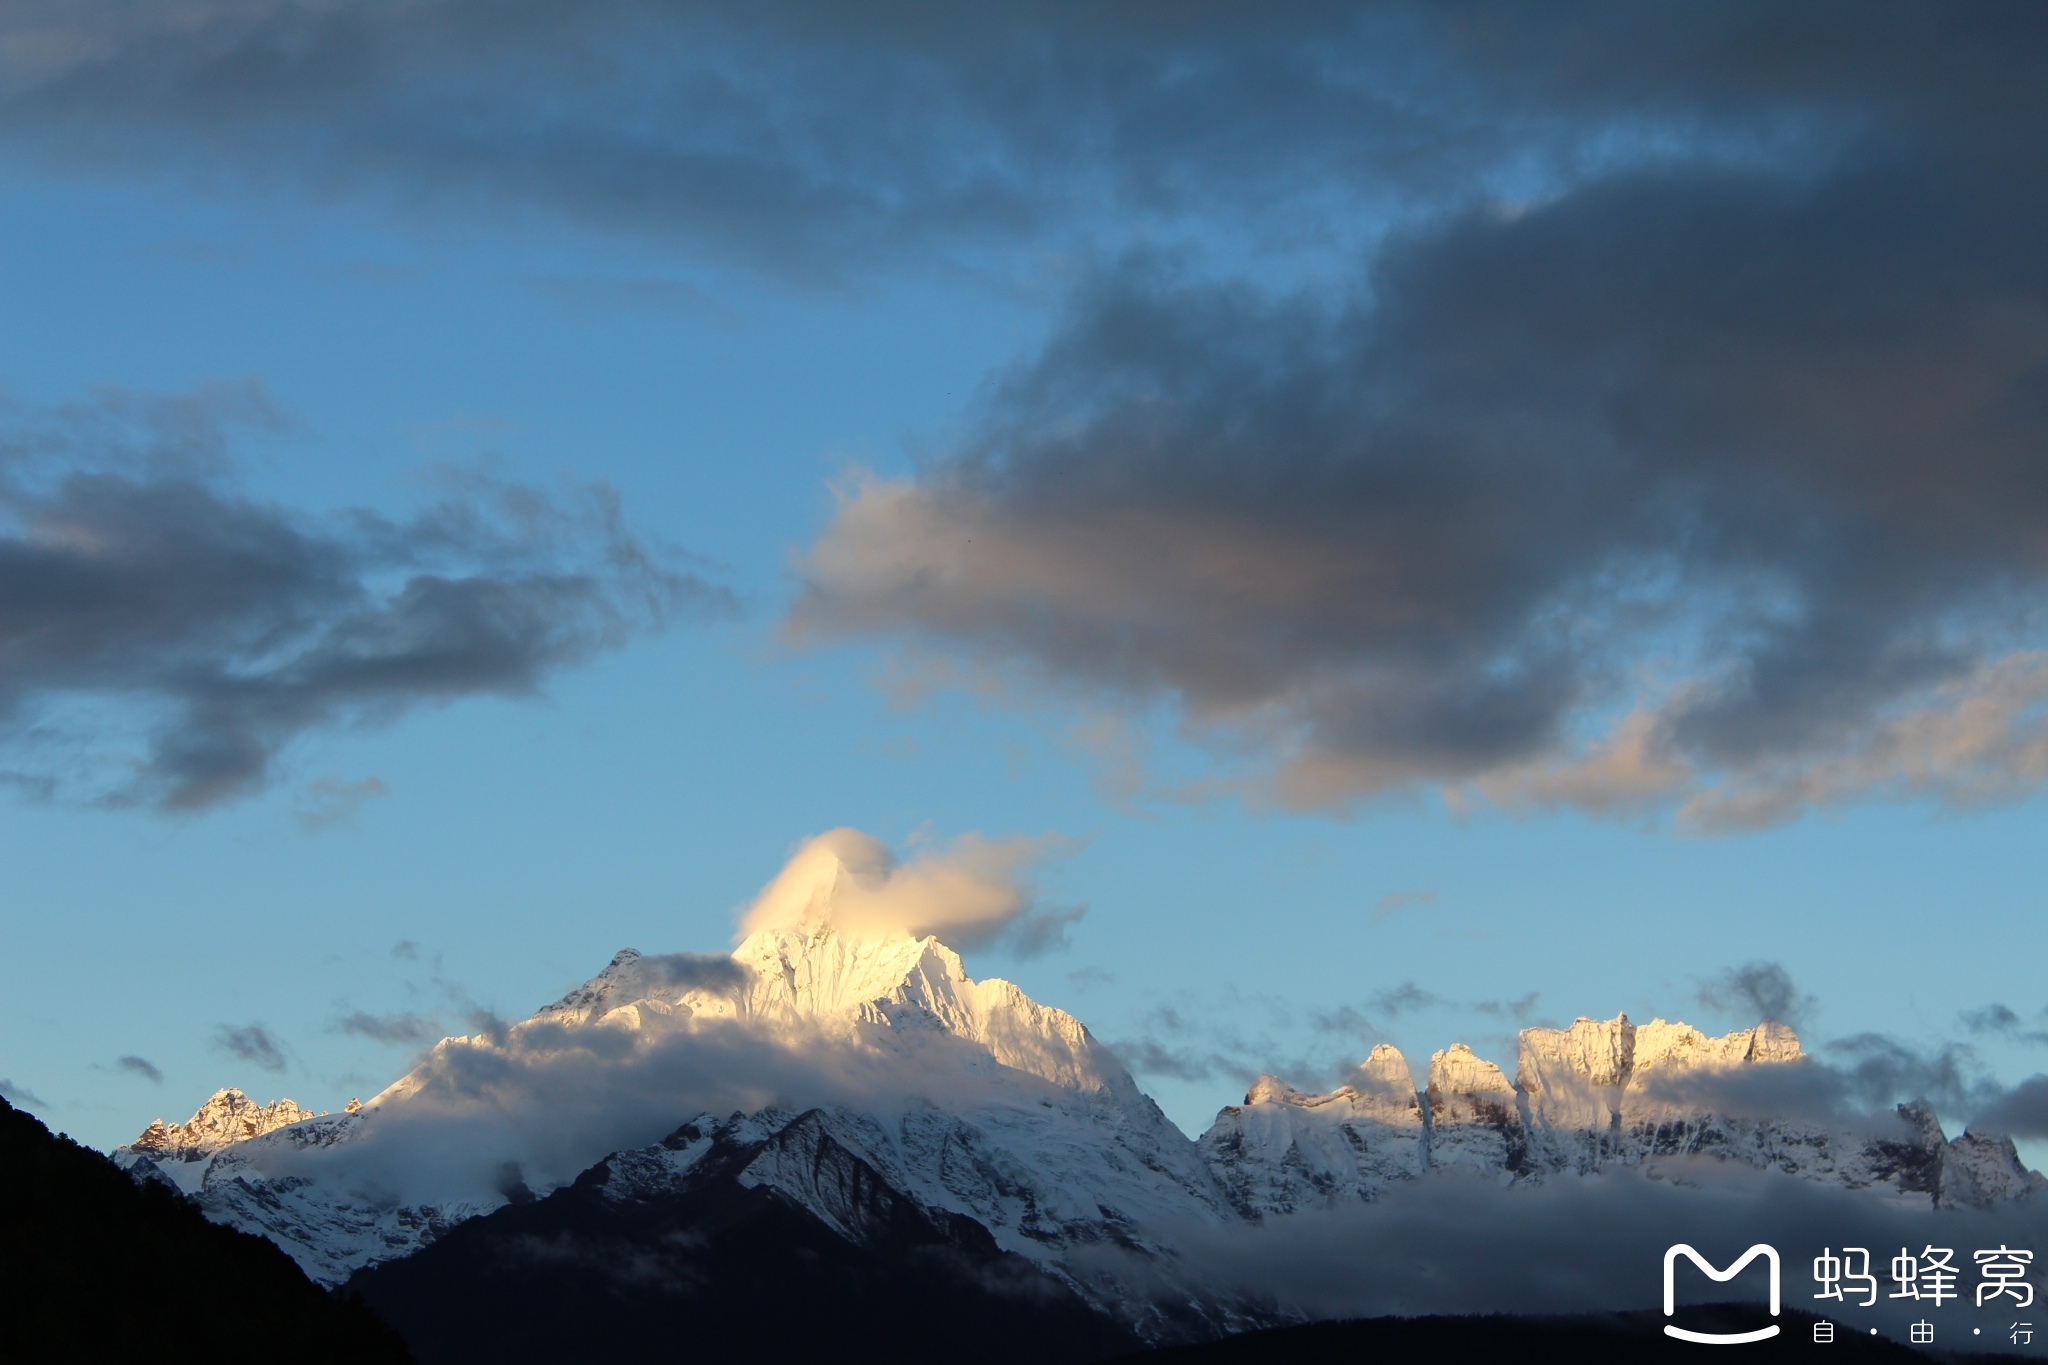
143, 592
403, 1028
20, 1095
1758, 990
254, 1044
140, 1066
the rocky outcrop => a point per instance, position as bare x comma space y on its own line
1283, 1151
1980, 1171
225, 1119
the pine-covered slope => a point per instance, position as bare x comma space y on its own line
97, 1266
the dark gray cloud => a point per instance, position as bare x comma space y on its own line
1711, 478
253, 1043
674, 973
20, 1095
2021, 1112
2001, 1021
1993, 1018
1875, 1070
403, 1027
1757, 990
812, 139
140, 1066
139, 587
803, 138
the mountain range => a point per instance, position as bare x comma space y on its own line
846, 1105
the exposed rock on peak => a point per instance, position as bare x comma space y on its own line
1981, 1171
227, 1118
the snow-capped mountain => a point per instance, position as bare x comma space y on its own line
227, 1117
967, 1097
847, 1072
1600, 1094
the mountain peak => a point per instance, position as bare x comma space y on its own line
227, 1117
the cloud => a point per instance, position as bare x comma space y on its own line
820, 142
20, 1095
1573, 1244
1205, 1046
1085, 978
1757, 990
405, 950
1401, 999
1702, 482
1155, 1057
552, 1098
2021, 1112
140, 1066
810, 141
329, 801
147, 596
1390, 1003
1394, 902
1876, 1070
405, 1028
972, 891
1520, 1011
253, 1043
1993, 1018
2000, 1020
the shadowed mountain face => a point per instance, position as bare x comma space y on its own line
95, 1265
677, 1243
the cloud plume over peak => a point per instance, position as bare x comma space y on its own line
971, 891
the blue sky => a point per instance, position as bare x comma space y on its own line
646, 789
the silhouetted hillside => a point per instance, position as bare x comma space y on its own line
94, 1266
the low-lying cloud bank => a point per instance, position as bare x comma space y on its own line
1587, 1244
143, 593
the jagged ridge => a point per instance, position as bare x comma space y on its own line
1600, 1094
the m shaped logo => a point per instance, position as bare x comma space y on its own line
1671, 1256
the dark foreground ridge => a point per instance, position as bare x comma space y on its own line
1544, 1340
96, 1266
636, 1256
